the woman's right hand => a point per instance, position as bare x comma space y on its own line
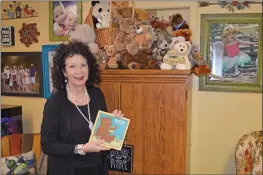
94, 146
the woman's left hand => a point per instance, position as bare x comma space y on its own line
118, 113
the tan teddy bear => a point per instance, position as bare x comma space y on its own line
101, 58
113, 56
143, 36
125, 37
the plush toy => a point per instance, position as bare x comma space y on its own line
160, 50
113, 56
177, 21
103, 20
176, 40
127, 25
157, 24
120, 4
101, 58
147, 60
119, 13
99, 7
125, 12
125, 37
141, 15
186, 33
198, 63
85, 34
142, 60
177, 58
152, 15
143, 36
129, 61
133, 48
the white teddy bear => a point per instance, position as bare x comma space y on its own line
104, 20
177, 57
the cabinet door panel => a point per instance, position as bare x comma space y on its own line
158, 126
111, 92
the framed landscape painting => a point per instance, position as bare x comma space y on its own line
21, 74
232, 46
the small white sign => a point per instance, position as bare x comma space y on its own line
7, 36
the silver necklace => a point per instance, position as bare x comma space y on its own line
88, 120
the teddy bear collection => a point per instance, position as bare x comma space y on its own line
141, 39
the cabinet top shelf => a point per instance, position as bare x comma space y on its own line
154, 76
144, 72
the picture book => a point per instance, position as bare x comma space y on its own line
111, 129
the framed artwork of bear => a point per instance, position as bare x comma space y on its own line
231, 44
63, 19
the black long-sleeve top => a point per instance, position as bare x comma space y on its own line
63, 127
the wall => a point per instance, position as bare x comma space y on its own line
217, 119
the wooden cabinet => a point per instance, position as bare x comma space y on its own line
155, 101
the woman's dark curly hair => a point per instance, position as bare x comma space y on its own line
64, 51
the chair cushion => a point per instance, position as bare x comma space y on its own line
19, 164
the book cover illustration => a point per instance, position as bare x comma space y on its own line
111, 129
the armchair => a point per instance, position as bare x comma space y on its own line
248, 155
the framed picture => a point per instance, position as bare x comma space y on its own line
111, 129
48, 52
63, 18
231, 44
8, 36
21, 74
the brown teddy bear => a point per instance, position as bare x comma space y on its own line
142, 60
119, 4
147, 60
177, 21
186, 33
158, 24
125, 12
104, 130
125, 37
141, 15
127, 25
113, 56
199, 66
129, 61
120, 13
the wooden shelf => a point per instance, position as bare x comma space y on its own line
153, 76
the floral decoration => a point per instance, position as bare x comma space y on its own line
18, 9
234, 4
230, 5
28, 34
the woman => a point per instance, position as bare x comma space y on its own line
70, 112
